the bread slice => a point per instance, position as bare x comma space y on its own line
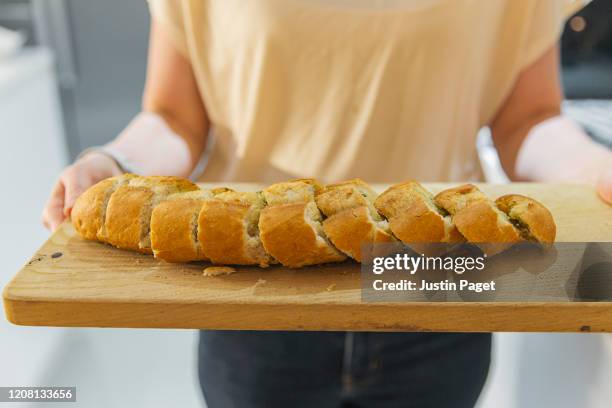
478, 219
174, 227
89, 210
290, 226
458, 198
128, 215
293, 191
414, 217
533, 220
354, 193
352, 219
228, 229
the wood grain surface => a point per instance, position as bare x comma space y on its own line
73, 282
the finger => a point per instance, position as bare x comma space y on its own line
53, 213
604, 186
74, 186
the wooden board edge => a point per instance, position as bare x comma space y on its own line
589, 317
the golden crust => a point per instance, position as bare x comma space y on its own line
87, 212
534, 220
478, 219
164, 184
355, 183
123, 217
287, 235
419, 224
349, 194
129, 209
398, 198
174, 230
294, 191
455, 199
353, 220
223, 234
348, 230
413, 215
229, 195
480, 223
199, 194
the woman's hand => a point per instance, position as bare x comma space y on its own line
75, 179
536, 143
559, 151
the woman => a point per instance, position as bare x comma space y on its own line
334, 89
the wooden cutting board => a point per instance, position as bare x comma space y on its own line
73, 282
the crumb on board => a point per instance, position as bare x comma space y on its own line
218, 270
331, 287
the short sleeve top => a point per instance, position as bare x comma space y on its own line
383, 90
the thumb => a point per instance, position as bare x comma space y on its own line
52, 215
74, 186
604, 185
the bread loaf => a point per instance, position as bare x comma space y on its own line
290, 225
352, 220
297, 223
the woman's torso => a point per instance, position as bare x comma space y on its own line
383, 90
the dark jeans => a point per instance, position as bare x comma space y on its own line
335, 369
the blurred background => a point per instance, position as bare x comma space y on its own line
71, 76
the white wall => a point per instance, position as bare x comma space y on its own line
31, 154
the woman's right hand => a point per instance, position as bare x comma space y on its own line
157, 145
75, 179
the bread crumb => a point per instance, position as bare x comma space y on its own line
331, 287
218, 270
260, 282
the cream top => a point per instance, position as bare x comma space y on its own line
379, 89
